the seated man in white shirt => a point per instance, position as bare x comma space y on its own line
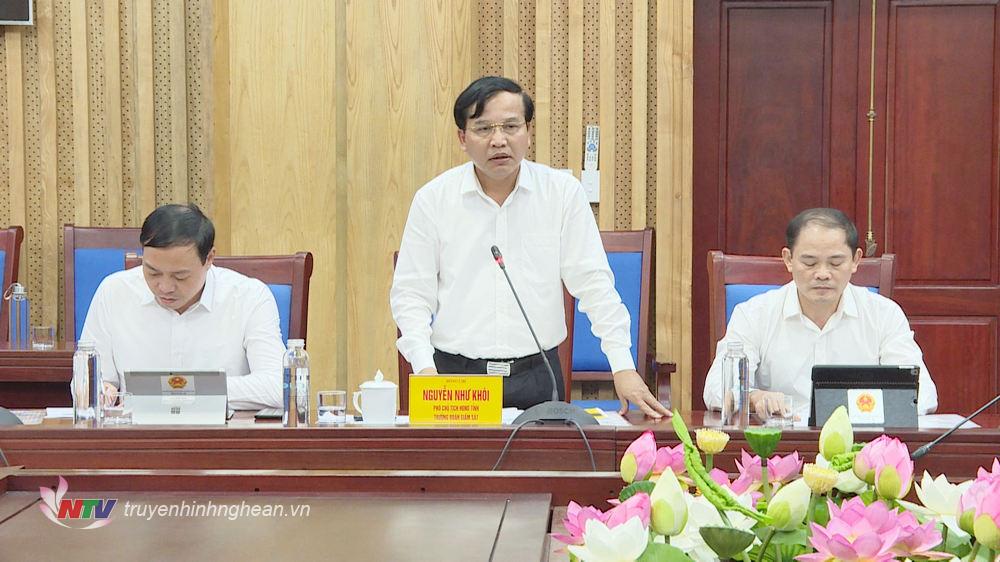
818, 318
451, 302
178, 311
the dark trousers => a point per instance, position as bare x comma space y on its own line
528, 383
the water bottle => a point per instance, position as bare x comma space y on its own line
87, 384
296, 385
19, 309
735, 387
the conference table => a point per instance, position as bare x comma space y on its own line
400, 467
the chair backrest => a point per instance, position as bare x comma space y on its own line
10, 256
733, 279
286, 276
565, 354
89, 255
630, 255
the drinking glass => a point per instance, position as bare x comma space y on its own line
43, 337
331, 407
117, 410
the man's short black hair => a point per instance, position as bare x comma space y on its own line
476, 95
178, 225
825, 217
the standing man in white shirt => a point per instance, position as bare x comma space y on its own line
451, 301
178, 311
818, 318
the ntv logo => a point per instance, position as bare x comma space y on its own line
57, 508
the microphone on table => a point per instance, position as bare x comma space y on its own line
553, 410
923, 450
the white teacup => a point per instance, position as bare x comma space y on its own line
379, 399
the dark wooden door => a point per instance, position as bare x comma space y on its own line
781, 96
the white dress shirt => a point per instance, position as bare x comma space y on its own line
234, 326
782, 345
449, 294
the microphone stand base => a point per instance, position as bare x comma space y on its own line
555, 413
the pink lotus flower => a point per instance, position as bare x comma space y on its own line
669, 458
916, 540
986, 522
576, 522
639, 458
885, 462
779, 469
968, 504
577, 517
855, 532
741, 485
995, 473
636, 506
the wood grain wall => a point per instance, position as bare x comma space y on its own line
305, 125
104, 117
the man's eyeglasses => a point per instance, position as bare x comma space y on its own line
485, 130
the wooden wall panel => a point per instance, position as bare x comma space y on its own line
942, 143
775, 65
961, 354
942, 186
281, 147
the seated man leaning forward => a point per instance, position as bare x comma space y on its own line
451, 301
178, 311
818, 318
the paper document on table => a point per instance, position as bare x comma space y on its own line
508, 415
611, 419
59, 413
943, 421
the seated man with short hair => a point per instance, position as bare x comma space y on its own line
178, 311
818, 318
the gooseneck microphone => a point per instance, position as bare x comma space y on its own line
553, 410
498, 257
923, 450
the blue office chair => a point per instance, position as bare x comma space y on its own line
630, 255
89, 255
733, 279
286, 276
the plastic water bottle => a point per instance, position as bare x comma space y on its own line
19, 309
735, 387
296, 385
88, 386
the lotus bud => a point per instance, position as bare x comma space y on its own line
837, 435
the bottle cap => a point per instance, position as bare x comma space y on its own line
296, 343
15, 290
735, 346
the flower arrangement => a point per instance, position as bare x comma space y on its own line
848, 505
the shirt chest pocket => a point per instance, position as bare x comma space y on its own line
541, 255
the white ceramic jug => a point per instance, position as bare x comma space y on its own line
379, 399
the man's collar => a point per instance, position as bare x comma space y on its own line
207, 299
526, 180
792, 307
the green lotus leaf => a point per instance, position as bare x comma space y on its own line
727, 542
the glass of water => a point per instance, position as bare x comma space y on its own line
783, 418
43, 337
331, 407
117, 410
